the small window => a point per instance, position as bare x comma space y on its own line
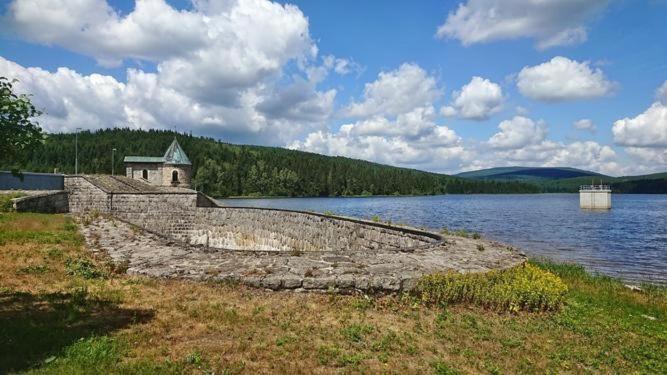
144, 174
174, 176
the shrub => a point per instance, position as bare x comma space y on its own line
525, 287
375, 218
476, 236
6, 204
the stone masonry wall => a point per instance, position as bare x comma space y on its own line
84, 196
187, 217
53, 202
266, 229
277, 230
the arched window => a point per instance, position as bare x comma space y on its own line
144, 174
174, 176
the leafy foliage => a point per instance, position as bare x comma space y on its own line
222, 169
6, 204
18, 131
525, 287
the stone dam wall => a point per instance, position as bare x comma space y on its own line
194, 219
187, 235
255, 229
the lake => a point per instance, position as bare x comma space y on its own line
629, 241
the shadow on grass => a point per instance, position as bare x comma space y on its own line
35, 327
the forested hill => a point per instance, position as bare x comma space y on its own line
568, 180
223, 169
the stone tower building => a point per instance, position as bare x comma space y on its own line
172, 169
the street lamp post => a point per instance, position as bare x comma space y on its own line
113, 153
76, 151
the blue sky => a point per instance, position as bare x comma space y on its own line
387, 81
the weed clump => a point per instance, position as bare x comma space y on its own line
525, 287
6, 204
83, 268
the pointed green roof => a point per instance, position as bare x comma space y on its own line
175, 155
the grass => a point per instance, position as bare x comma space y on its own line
54, 321
6, 204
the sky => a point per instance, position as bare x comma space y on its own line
443, 86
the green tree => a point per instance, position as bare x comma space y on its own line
19, 133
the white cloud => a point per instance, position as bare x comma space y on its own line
551, 22
396, 91
396, 125
477, 100
70, 100
661, 93
585, 124
651, 159
211, 53
563, 79
649, 129
567, 37
645, 136
220, 67
517, 133
437, 150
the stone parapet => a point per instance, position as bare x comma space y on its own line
53, 202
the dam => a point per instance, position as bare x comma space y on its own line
176, 232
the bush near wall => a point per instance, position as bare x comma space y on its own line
6, 204
524, 287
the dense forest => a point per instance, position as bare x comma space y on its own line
223, 169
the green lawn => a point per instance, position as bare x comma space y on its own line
65, 311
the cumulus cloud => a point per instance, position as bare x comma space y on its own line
396, 91
585, 124
439, 149
550, 22
645, 136
648, 129
563, 79
518, 132
477, 100
221, 67
396, 125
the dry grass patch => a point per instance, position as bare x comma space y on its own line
64, 322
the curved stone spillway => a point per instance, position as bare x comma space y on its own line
165, 232
279, 249
256, 229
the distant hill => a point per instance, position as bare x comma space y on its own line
527, 173
568, 180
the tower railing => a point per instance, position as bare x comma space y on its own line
594, 187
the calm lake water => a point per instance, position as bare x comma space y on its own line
628, 241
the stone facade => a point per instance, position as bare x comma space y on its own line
149, 172
173, 169
183, 175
